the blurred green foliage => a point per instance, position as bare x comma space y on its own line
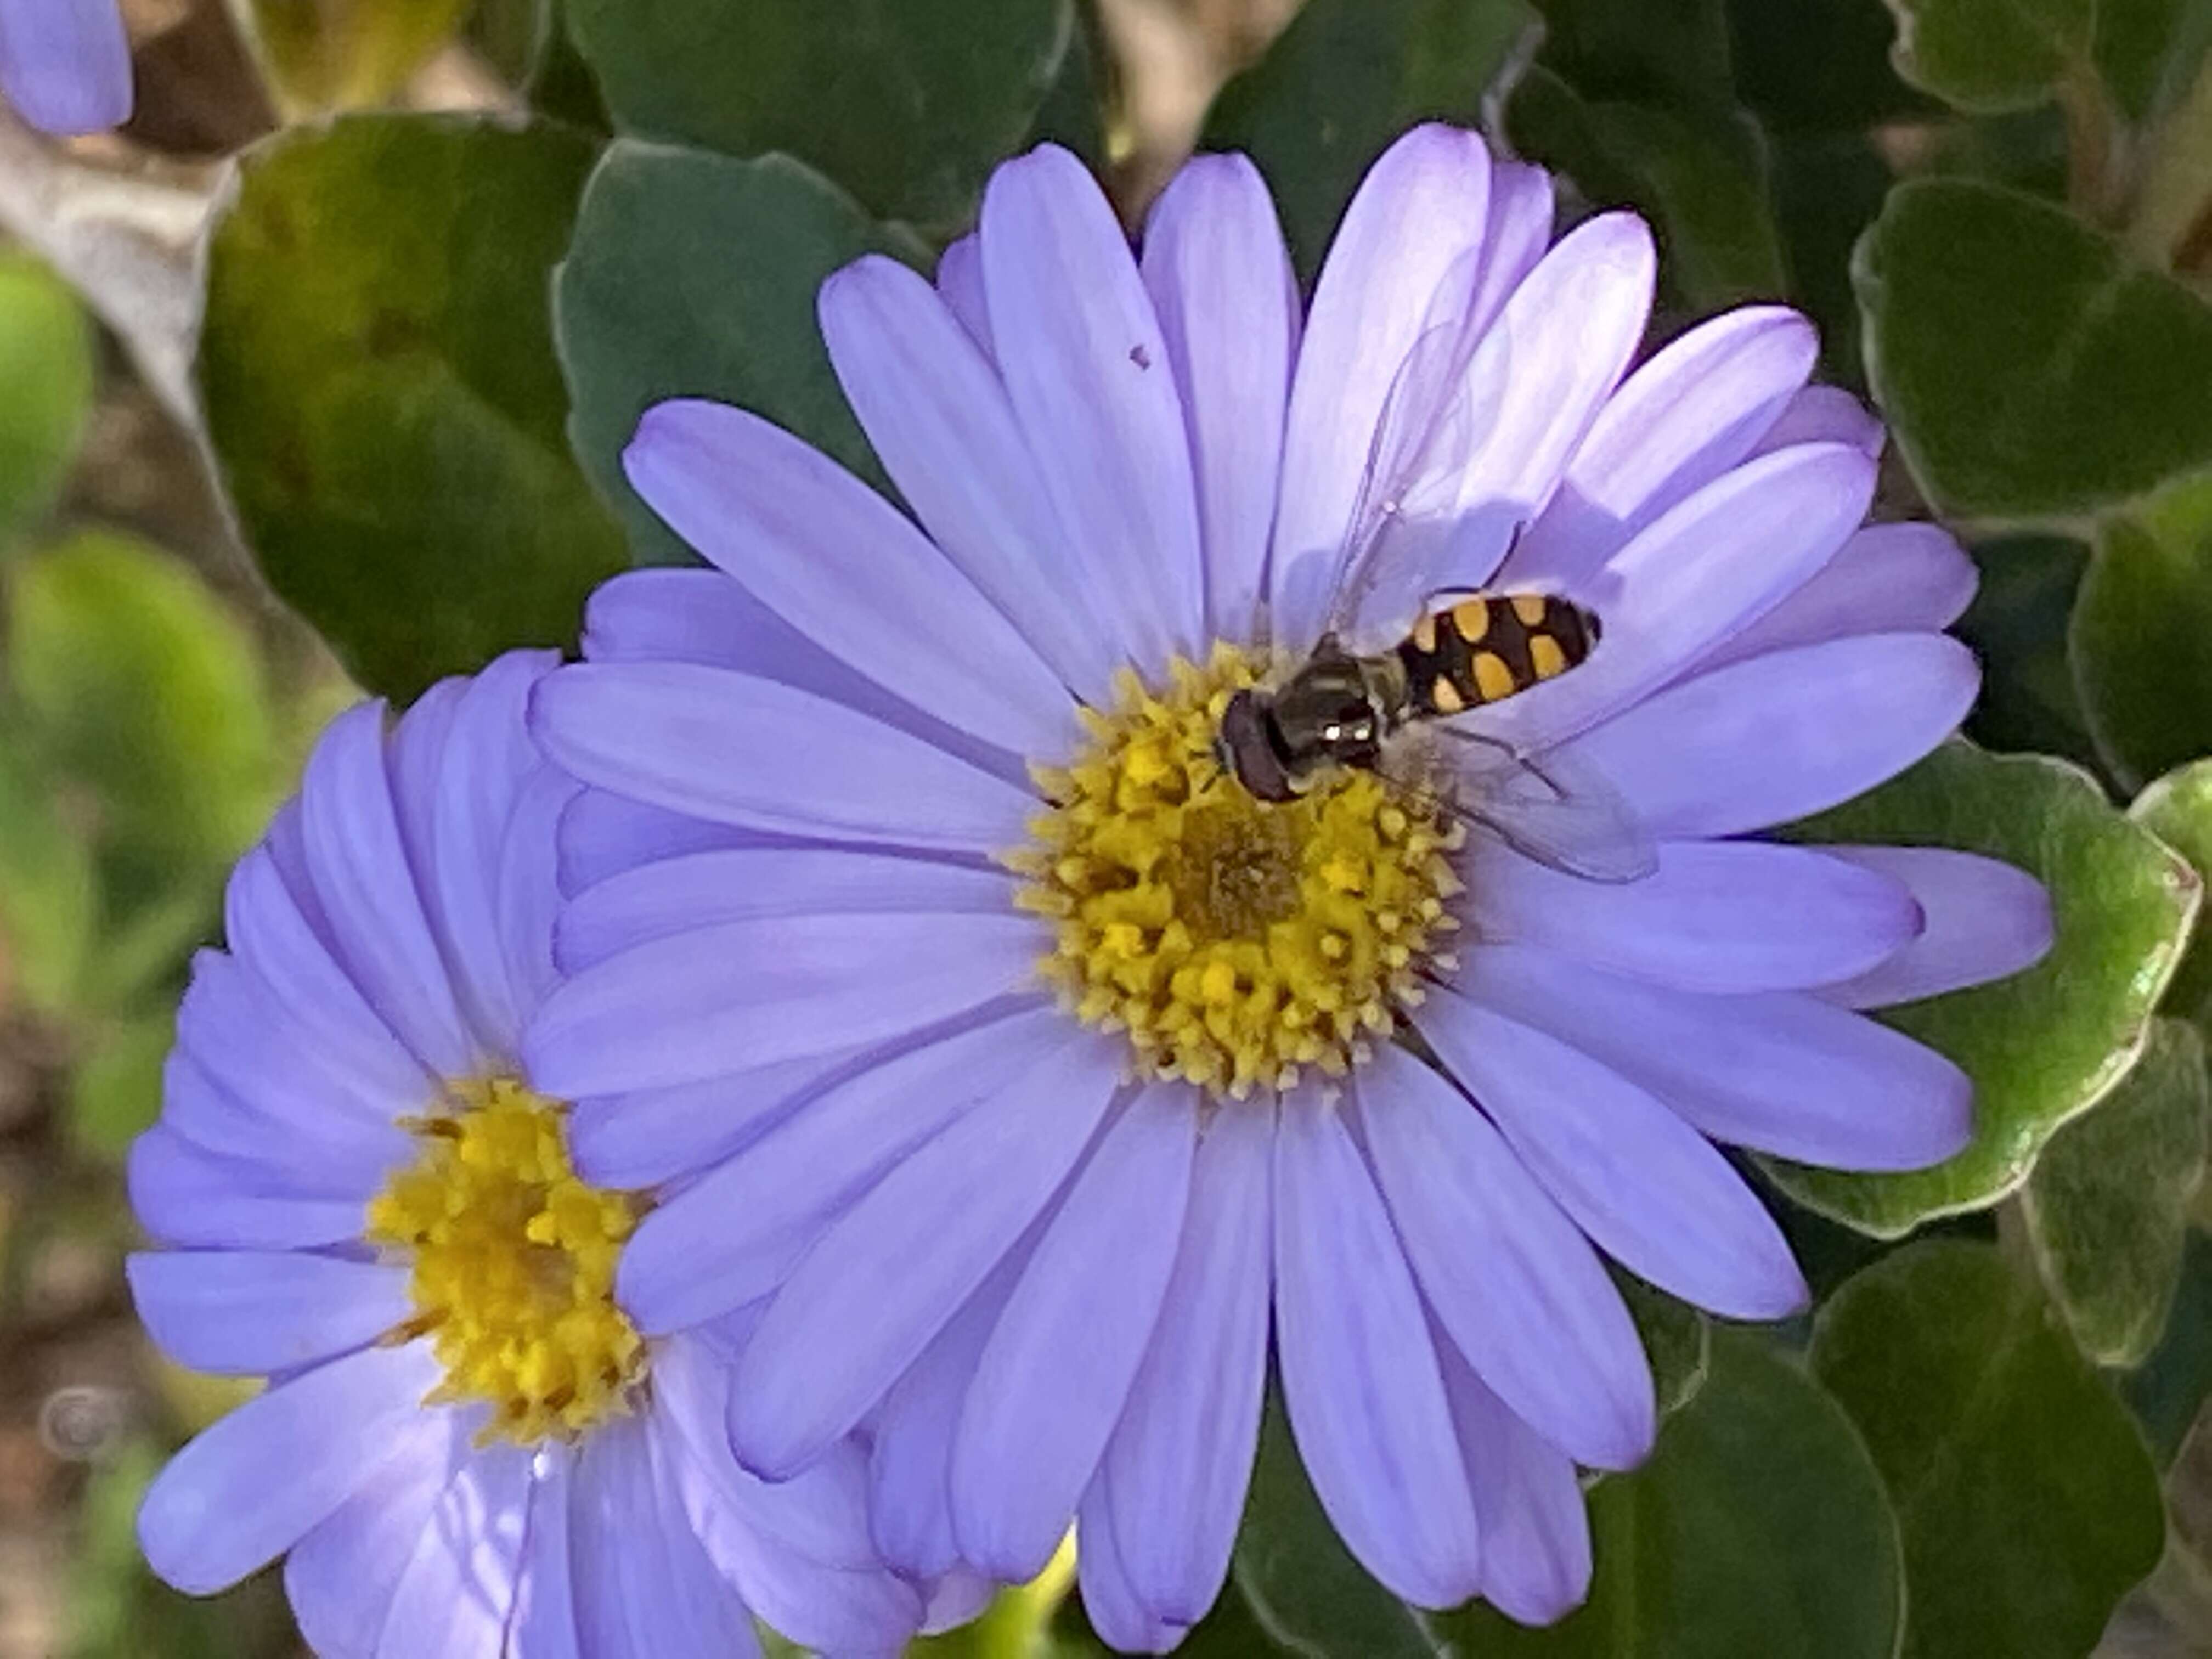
140, 749
144, 740
141, 756
49, 890
130, 679
45, 369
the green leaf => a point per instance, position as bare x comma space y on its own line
49, 890
320, 55
1295, 1574
2107, 1207
2169, 1388
1699, 178
1819, 66
134, 681
2017, 625
1705, 188
1827, 189
1677, 1341
2027, 1500
115, 1093
2142, 634
1073, 113
526, 43
2026, 151
2027, 367
378, 372
2045, 1044
2149, 51
1633, 100
2178, 809
694, 276
1663, 52
906, 103
45, 387
1988, 55
1345, 79
1758, 1527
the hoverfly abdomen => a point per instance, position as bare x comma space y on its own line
1490, 646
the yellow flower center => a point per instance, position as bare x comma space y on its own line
1236, 941
512, 1265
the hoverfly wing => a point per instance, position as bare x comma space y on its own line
1407, 536
1330, 585
1552, 808
1422, 443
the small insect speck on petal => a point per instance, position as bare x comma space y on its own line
1139, 355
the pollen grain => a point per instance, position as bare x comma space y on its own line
511, 1265
1237, 942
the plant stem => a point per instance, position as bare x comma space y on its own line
2091, 128
2177, 181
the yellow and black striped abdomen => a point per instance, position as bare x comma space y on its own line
1490, 646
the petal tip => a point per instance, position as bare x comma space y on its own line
664, 426
851, 286
173, 1526
1539, 1609
1619, 242
1435, 141
1779, 1291
1631, 1433
1034, 170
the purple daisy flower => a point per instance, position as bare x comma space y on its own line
65, 64
1032, 1076
466, 1447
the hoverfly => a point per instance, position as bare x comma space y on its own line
1345, 706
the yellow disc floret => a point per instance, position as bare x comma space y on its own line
512, 1264
1236, 941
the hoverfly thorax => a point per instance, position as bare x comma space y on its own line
1335, 710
